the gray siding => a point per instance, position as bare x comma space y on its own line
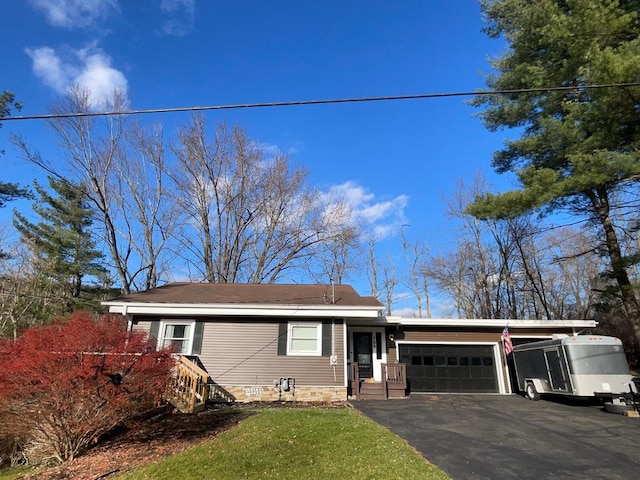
142, 326
246, 353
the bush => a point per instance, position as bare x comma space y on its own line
62, 386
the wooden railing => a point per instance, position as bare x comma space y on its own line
396, 379
394, 383
354, 378
189, 390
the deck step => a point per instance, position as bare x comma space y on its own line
184, 407
372, 391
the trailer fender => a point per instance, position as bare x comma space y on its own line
532, 388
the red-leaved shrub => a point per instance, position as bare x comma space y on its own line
62, 386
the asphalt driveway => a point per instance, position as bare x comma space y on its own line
506, 436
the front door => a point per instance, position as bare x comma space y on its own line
363, 353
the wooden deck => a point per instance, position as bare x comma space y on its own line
189, 390
394, 384
191, 386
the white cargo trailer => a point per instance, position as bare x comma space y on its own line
578, 366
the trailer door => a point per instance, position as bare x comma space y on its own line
557, 369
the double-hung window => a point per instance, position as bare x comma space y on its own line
177, 336
304, 338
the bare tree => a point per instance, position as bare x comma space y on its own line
149, 217
448, 273
382, 275
122, 166
335, 258
416, 256
27, 297
480, 272
578, 267
510, 269
389, 282
372, 267
254, 216
91, 148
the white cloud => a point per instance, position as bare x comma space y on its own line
383, 217
49, 68
74, 13
267, 149
89, 68
100, 78
271, 151
351, 193
179, 16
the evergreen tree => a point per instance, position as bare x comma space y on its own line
579, 150
9, 191
62, 239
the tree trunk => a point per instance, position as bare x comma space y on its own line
600, 201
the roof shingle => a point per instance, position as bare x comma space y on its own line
241, 293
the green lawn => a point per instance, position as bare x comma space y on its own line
13, 473
287, 443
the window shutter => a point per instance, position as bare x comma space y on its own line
196, 348
282, 338
154, 330
327, 333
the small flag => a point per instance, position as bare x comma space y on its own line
506, 338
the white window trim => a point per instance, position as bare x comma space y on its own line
192, 330
317, 352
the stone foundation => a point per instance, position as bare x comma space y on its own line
269, 393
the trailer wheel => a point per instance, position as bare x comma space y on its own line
530, 392
617, 408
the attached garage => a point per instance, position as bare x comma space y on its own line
465, 355
451, 368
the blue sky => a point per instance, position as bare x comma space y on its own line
397, 159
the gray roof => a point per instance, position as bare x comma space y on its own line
261, 294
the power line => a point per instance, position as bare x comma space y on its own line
319, 102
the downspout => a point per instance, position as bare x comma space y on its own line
333, 331
125, 313
333, 347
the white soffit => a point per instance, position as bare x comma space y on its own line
236, 310
483, 322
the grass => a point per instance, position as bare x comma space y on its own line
13, 473
297, 443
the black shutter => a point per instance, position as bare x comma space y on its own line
282, 338
378, 345
327, 336
196, 348
153, 331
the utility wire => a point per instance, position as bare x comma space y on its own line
319, 102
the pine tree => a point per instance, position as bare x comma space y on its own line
579, 150
62, 240
9, 191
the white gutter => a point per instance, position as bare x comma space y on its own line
484, 322
255, 310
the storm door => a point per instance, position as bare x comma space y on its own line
363, 353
